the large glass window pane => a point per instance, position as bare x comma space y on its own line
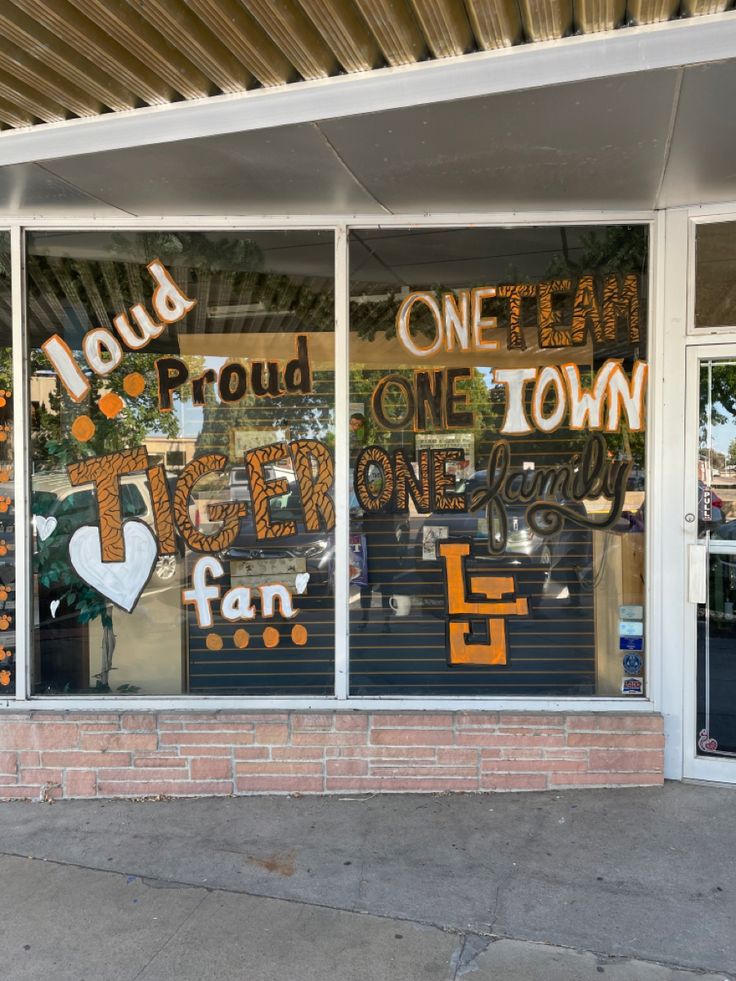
715, 274
7, 486
497, 389
182, 400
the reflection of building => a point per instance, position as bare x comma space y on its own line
174, 453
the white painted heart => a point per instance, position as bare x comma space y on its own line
300, 582
54, 606
44, 526
120, 582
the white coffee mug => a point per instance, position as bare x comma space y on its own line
401, 605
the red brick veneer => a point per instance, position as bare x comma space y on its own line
133, 754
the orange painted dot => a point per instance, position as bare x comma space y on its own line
83, 428
271, 637
4, 622
134, 384
110, 404
4, 653
299, 634
241, 638
214, 642
3, 594
4, 678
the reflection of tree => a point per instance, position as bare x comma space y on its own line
619, 249
54, 448
717, 390
484, 399
602, 251
71, 294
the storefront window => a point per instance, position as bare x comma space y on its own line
7, 486
182, 416
497, 452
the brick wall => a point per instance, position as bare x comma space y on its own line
47, 755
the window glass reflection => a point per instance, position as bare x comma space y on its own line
497, 448
182, 398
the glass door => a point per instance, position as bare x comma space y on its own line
711, 729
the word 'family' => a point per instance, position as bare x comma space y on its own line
387, 483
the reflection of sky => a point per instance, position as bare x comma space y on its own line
191, 417
721, 434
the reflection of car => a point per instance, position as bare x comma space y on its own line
566, 555
521, 541
726, 530
53, 495
311, 552
238, 485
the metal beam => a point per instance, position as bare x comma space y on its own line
670, 45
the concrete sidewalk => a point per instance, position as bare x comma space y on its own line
629, 884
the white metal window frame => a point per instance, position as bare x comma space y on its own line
676, 486
341, 226
712, 215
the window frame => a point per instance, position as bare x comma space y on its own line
341, 227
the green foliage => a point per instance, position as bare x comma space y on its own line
191, 249
55, 448
616, 249
52, 562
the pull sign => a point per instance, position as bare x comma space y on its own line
697, 572
707, 505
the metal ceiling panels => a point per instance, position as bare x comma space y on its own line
65, 58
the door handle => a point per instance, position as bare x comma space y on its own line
697, 581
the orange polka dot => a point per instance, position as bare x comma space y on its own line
110, 404
214, 642
299, 634
241, 638
271, 637
134, 384
83, 428
4, 678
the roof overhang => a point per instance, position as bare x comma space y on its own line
633, 119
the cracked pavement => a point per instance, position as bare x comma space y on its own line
632, 884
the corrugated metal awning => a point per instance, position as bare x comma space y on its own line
63, 59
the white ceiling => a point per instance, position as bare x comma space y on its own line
645, 140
